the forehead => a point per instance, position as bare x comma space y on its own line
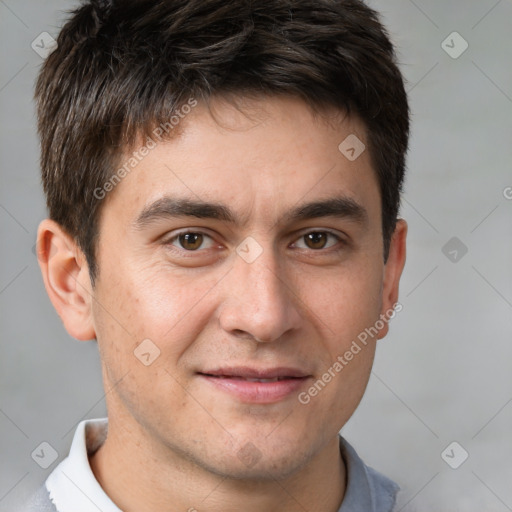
261, 158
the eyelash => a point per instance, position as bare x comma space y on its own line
169, 242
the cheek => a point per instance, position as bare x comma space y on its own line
139, 305
347, 302
152, 302
348, 350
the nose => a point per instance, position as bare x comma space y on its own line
260, 301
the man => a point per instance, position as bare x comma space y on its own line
223, 183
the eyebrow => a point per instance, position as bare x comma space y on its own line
171, 207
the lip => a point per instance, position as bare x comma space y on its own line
249, 372
233, 380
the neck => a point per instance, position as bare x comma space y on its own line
138, 476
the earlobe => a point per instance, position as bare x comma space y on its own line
66, 279
392, 273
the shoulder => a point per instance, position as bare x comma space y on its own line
39, 502
367, 489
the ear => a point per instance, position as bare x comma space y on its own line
66, 279
392, 273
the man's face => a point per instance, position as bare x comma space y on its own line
265, 295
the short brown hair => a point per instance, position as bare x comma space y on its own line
123, 67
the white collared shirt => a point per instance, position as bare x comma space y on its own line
72, 486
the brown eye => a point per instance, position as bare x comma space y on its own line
190, 241
316, 240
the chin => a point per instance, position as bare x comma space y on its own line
260, 457
257, 467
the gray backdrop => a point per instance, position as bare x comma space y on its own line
443, 374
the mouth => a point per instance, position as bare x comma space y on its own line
256, 385
247, 379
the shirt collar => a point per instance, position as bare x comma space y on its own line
73, 487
